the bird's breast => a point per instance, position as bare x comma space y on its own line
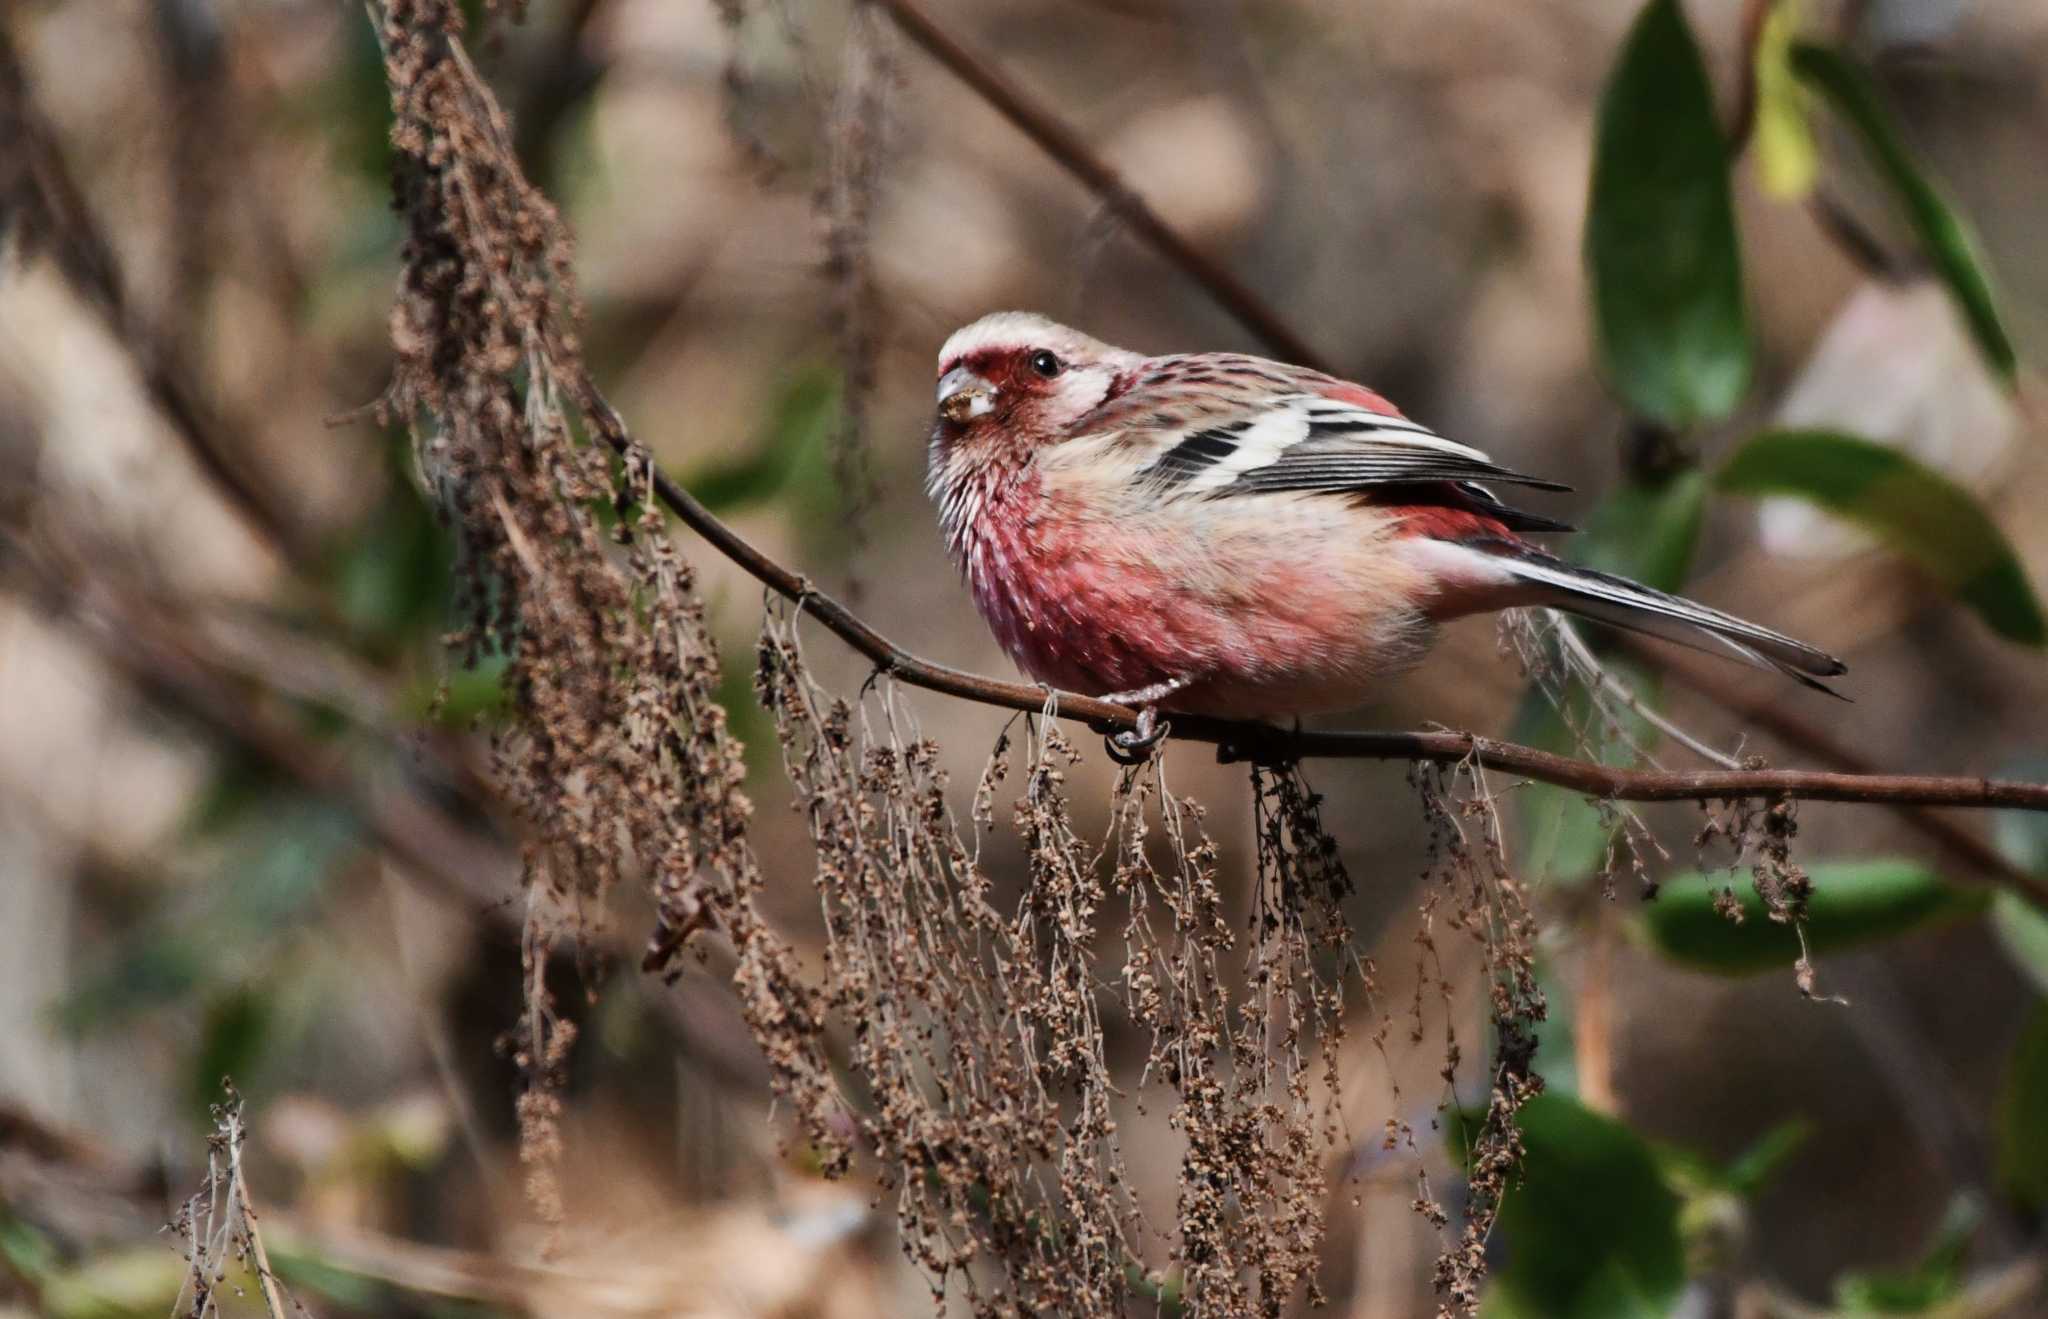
1291, 605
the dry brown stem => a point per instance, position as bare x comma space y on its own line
217, 1225
978, 1019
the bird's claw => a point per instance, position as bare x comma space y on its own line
1134, 746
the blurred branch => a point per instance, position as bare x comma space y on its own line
1857, 241
1742, 124
38, 192
1057, 139
1593, 1012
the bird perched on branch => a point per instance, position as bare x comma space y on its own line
1224, 535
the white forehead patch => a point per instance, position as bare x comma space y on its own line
1014, 329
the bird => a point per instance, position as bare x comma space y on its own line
1223, 535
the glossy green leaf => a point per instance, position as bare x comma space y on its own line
2023, 1116
1914, 509
1787, 158
1591, 1228
1853, 902
1661, 248
2020, 923
1940, 230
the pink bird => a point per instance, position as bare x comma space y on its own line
1224, 535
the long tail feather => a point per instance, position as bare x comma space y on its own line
1622, 603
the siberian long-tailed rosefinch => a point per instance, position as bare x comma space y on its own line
1220, 534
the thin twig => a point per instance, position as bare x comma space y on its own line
1057, 139
1729, 693
1742, 123
265, 1276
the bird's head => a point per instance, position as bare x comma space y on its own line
1015, 380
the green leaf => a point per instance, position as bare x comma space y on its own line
1853, 902
1661, 247
2023, 1116
26, 1248
2023, 835
1648, 532
1787, 158
2022, 929
1592, 1229
1713, 1213
1937, 1278
1752, 1170
1915, 510
1941, 231
305, 1271
1694, 1176
2020, 923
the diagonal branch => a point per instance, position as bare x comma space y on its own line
1053, 136
37, 185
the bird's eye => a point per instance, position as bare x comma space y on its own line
1045, 364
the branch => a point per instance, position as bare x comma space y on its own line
1239, 740
55, 213
1053, 136
1709, 680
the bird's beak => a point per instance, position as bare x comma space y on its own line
964, 396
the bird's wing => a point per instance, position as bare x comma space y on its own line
1310, 442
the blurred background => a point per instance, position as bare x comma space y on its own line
223, 851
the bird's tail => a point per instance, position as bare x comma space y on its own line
1619, 602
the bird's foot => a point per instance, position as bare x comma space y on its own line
1134, 746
